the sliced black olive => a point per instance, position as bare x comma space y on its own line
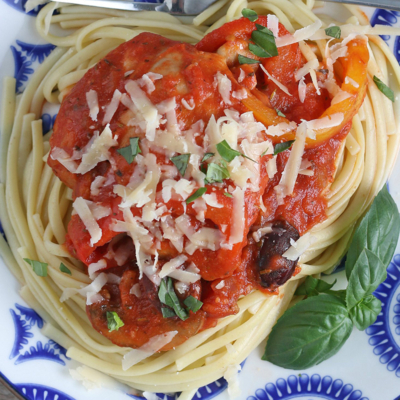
274, 269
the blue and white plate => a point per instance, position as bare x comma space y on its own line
366, 368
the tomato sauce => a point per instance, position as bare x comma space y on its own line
188, 73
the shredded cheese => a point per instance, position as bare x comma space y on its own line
93, 104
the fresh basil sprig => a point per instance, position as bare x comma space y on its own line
192, 303
207, 156
309, 332
181, 162
384, 88
39, 268
265, 39
280, 113
217, 172
131, 151
316, 328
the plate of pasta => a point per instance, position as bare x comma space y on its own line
197, 208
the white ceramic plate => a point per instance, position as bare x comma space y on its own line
366, 368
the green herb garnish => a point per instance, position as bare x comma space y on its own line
65, 269
384, 89
198, 193
258, 51
247, 60
333, 31
131, 151
192, 304
227, 153
207, 156
167, 296
227, 194
280, 113
265, 39
282, 146
313, 287
39, 268
250, 14
217, 172
323, 322
114, 322
181, 162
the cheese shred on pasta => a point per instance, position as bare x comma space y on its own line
35, 206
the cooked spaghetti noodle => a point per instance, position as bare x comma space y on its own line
35, 206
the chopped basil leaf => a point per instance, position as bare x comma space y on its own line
258, 51
162, 291
247, 60
227, 194
198, 193
207, 156
250, 14
171, 300
131, 151
264, 152
384, 89
167, 312
264, 29
217, 172
181, 162
39, 268
333, 31
280, 113
227, 153
64, 269
192, 304
266, 41
282, 146
114, 322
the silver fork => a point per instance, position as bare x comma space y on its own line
174, 7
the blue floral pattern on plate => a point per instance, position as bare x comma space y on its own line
385, 332
24, 321
39, 392
310, 388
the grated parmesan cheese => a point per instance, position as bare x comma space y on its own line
189, 105
273, 24
299, 247
93, 104
231, 376
299, 35
302, 90
95, 267
172, 265
277, 83
155, 344
224, 87
211, 200
147, 81
112, 107
135, 290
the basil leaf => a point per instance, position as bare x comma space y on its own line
114, 322
264, 152
280, 113
39, 268
378, 231
181, 162
192, 303
167, 312
308, 333
384, 89
131, 151
247, 60
227, 194
283, 146
226, 151
341, 294
266, 41
207, 156
264, 29
258, 51
217, 172
313, 287
367, 274
162, 291
333, 31
65, 269
366, 312
171, 300
198, 193
250, 14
